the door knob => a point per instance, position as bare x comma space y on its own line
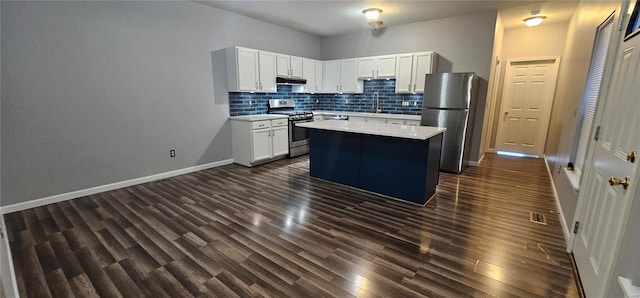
632, 156
617, 181
506, 113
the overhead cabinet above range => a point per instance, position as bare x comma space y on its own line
377, 67
250, 70
288, 66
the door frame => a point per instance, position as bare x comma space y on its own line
491, 107
503, 102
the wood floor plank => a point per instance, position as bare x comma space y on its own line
272, 231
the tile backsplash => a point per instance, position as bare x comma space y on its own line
246, 103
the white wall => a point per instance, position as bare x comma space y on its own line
572, 79
464, 42
99, 92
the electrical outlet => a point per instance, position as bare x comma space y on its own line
172, 153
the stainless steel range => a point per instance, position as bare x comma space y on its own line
298, 139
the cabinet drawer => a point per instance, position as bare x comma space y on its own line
395, 121
261, 124
279, 122
413, 122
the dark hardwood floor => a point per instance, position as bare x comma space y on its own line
272, 231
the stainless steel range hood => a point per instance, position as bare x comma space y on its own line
290, 81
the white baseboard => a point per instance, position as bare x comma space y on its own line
476, 163
563, 221
108, 187
491, 150
8, 277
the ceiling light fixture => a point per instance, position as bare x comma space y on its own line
375, 25
372, 13
535, 19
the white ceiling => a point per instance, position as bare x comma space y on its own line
328, 18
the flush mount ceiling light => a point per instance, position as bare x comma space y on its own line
372, 13
535, 19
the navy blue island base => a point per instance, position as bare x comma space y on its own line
406, 169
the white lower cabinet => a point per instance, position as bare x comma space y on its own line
256, 142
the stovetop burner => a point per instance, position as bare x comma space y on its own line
289, 112
287, 107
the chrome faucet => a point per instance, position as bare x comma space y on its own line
375, 102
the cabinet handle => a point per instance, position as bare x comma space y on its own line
372, 73
377, 73
316, 87
337, 87
409, 87
340, 87
257, 88
414, 87
260, 85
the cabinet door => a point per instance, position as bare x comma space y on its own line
282, 65
280, 141
295, 64
247, 62
422, 66
366, 68
319, 76
261, 144
386, 67
267, 72
331, 76
309, 73
404, 71
349, 75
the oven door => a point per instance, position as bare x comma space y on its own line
298, 135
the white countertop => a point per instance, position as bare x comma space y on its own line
379, 129
260, 117
370, 115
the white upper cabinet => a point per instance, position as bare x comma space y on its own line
289, 66
310, 72
250, 70
331, 76
378, 67
411, 71
404, 73
341, 76
267, 70
319, 76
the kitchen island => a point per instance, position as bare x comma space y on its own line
401, 161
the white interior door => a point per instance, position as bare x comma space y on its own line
604, 209
526, 105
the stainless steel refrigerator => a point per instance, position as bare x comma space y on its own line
449, 101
